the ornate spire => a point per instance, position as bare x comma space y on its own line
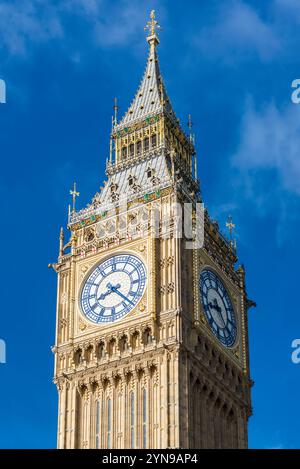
151, 97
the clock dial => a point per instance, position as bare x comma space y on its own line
113, 288
218, 307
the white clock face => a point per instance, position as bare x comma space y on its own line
113, 288
218, 307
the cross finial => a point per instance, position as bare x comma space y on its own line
231, 226
74, 194
152, 26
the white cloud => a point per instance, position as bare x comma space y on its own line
270, 140
267, 165
84, 7
223, 210
288, 7
128, 20
238, 33
32, 22
27, 21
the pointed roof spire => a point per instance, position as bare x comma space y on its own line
151, 97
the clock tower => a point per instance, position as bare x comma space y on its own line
151, 347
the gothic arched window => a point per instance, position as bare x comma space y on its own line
78, 357
108, 433
89, 353
101, 350
85, 422
144, 418
97, 424
132, 420
135, 340
146, 144
147, 337
130, 180
123, 344
150, 172
112, 347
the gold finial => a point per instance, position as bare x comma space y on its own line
74, 194
231, 226
152, 26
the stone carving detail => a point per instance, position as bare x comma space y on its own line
167, 261
82, 326
64, 298
169, 288
63, 322
83, 270
89, 234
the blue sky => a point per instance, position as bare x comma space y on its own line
228, 63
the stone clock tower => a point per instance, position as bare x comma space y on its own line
151, 347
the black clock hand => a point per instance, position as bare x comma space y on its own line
221, 317
219, 311
215, 305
